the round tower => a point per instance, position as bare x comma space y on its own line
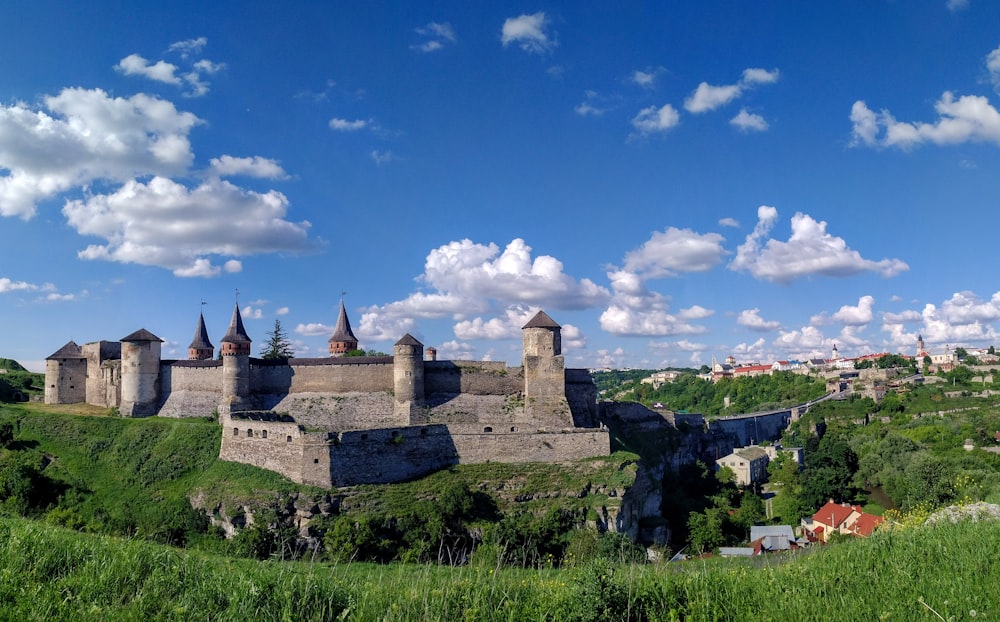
140, 379
343, 340
545, 403
408, 376
235, 347
65, 375
201, 349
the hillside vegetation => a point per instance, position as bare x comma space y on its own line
948, 571
138, 477
15, 381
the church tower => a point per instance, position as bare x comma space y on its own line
201, 349
235, 365
921, 352
343, 339
836, 353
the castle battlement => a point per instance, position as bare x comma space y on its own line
342, 420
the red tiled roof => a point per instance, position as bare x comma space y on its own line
866, 524
833, 514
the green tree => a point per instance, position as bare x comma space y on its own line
277, 345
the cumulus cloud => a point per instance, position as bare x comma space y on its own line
750, 318
84, 136
809, 251
529, 32
169, 73
163, 223
229, 166
646, 78
636, 311
807, 342
653, 120
965, 308
856, 315
970, 118
344, 125
695, 312
434, 36
673, 251
466, 278
729, 222
965, 318
160, 71
314, 329
749, 122
250, 313
707, 97
8, 285
993, 67
281, 311
904, 316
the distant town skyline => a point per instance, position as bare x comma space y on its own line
668, 181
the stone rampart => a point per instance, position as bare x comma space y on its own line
190, 388
328, 375
581, 393
502, 445
335, 411
472, 377
389, 454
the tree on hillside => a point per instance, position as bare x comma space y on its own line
277, 345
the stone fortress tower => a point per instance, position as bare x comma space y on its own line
140, 374
235, 366
340, 420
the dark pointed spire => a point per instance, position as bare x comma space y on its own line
343, 339
201, 348
236, 340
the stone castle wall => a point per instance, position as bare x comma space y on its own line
472, 377
190, 388
330, 375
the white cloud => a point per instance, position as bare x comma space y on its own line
729, 222
858, 315
673, 251
255, 166
382, 157
966, 308
636, 311
904, 316
506, 327
750, 318
749, 122
809, 251
435, 36
528, 32
160, 71
455, 351
646, 78
707, 97
188, 46
993, 67
87, 136
745, 352
315, 329
651, 120
970, 118
466, 278
377, 326
695, 312
167, 73
956, 5
807, 342
281, 311
594, 104
249, 313
7, 285
163, 223
690, 346
572, 337
343, 125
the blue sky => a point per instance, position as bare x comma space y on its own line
669, 181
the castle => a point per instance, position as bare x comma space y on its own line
345, 420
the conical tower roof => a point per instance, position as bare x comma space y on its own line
201, 341
343, 332
236, 332
541, 320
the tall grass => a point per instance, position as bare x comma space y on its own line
946, 572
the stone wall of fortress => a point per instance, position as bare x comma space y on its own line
393, 454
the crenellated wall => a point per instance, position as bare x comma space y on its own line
326, 375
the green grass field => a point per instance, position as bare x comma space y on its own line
946, 572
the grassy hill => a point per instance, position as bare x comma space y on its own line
16, 381
78, 467
949, 572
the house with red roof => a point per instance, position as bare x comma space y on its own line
841, 518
